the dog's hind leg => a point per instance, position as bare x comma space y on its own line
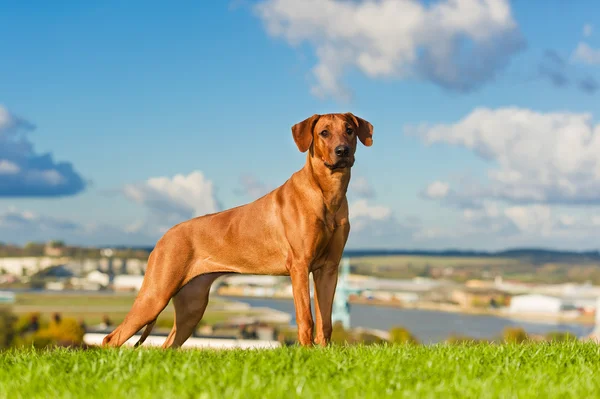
157, 289
145, 310
190, 303
146, 333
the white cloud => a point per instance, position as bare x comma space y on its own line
135, 227
533, 219
16, 219
8, 167
429, 233
375, 226
521, 223
19, 226
361, 187
586, 54
6, 119
252, 187
437, 190
175, 199
489, 219
588, 29
537, 157
496, 226
398, 39
362, 209
25, 173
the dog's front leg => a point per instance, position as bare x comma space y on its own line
325, 282
301, 292
325, 279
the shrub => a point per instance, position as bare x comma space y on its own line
67, 332
368, 339
339, 335
560, 336
515, 335
461, 340
164, 323
7, 328
37, 340
23, 322
400, 335
478, 302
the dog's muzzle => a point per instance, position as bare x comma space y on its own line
341, 164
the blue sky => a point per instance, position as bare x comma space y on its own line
167, 111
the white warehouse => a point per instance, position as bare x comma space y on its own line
126, 282
536, 303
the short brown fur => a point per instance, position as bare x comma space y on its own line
298, 228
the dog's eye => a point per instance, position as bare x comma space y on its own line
349, 131
324, 133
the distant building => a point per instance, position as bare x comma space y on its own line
55, 285
96, 276
135, 266
88, 265
252, 280
27, 265
250, 285
54, 248
536, 303
126, 282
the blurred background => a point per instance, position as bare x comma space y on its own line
474, 214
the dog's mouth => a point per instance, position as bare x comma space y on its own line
339, 165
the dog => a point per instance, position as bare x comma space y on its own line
299, 228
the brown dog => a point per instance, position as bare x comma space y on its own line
298, 228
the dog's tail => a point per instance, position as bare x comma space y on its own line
146, 332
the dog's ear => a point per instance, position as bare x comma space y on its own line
365, 129
303, 132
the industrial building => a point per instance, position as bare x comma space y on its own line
536, 303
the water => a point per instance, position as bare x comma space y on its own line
428, 326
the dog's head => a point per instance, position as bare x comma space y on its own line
332, 138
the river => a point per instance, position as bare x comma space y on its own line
429, 326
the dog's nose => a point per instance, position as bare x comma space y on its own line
342, 151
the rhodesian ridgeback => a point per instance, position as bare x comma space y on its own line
298, 228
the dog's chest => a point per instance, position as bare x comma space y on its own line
329, 222
329, 225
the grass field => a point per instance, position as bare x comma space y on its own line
558, 370
92, 307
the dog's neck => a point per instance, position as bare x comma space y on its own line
332, 184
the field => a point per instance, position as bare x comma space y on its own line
92, 307
433, 261
565, 370
462, 268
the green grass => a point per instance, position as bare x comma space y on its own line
120, 300
59, 299
92, 308
558, 370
